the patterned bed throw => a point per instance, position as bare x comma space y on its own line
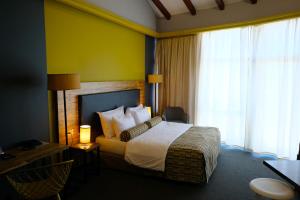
192, 157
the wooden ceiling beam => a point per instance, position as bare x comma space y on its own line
221, 4
253, 1
162, 9
190, 6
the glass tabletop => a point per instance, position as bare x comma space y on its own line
287, 169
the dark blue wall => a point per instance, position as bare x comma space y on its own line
23, 76
149, 64
23, 72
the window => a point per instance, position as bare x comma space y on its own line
249, 86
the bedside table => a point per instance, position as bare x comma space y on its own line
86, 150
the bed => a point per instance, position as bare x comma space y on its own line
170, 150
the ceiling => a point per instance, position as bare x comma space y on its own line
176, 7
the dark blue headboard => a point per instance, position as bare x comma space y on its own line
90, 104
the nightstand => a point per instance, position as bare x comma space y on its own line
86, 151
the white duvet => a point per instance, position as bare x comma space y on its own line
149, 150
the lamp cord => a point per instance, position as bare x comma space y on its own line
65, 115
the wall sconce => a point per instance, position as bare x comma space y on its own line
155, 79
149, 110
85, 134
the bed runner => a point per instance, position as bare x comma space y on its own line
192, 157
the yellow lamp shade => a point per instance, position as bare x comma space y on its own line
149, 110
85, 134
63, 81
155, 78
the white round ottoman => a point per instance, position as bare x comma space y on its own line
272, 188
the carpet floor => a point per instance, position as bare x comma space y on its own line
230, 181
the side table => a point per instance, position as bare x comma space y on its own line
85, 150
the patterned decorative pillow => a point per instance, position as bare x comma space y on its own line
154, 121
133, 132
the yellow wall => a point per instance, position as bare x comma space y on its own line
97, 49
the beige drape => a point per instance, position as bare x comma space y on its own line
177, 60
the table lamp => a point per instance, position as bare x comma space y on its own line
155, 79
85, 134
64, 82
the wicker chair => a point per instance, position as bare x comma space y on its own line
175, 114
42, 182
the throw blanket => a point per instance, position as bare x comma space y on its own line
192, 157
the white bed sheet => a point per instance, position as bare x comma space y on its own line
111, 145
149, 150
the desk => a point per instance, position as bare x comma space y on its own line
25, 157
287, 169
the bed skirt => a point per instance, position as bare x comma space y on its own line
117, 162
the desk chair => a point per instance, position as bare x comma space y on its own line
42, 182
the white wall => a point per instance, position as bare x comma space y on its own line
138, 11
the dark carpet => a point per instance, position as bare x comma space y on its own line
230, 181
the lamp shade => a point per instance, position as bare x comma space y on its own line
85, 134
155, 78
63, 81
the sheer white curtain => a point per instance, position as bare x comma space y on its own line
249, 86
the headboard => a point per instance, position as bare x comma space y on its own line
90, 104
87, 88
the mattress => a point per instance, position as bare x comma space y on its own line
113, 145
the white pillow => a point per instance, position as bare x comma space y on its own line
122, 123
131, 110
106, 120
141, 115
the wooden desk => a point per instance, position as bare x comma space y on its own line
25, 157
287, 169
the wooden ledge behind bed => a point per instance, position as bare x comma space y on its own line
72, 104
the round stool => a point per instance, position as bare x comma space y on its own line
272, 188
